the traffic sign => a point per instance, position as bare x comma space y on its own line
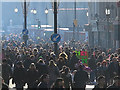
25, 32
55, 38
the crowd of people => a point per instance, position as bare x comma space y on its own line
39, 67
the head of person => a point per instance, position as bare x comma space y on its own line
101, 80
44, 78
35, 51
98, 64
104, 63
114, 59
32, 66
67, 70
19, 64
80, 67
61, 59
41, 61
116, 81
59, 83
52, 63
4, 61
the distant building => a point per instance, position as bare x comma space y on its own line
99, 23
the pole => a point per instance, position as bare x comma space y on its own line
25, 15
98, 32
55, 25
107, 32
74, 24
25, 37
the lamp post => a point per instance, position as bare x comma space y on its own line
55, 24
25, 36
46, 12
55, 5
16, 10
107, 12
97, 23
74, 24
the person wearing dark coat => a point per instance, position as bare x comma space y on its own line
19, 76
6, 71
80, 78
32, 75
67, 78
113, 69
101, 83
116, 84
41, 67
58, 84
73, 61
27, 62
92, 65
4, 85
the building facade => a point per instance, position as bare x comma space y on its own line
102, 30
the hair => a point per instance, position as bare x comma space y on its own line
40, 61
98, 64
55, 84
64, 55
61, 59
4, 60
100, 77
35, 49
52, 63
20, 63
116, 78
67, 69
104, 61
32, 64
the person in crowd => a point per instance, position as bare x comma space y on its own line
6, 71
41, 67
53, 72
116, 84
62, 70
19, 76
101, 83
73, 61
58, 84
92, 65
98, 71
60, 62
66, 75
4, 85
27, 62
32, 75
113, 69
104, 68
43, 84
35, 53
65, 56
80, 78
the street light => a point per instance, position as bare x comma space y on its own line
87, 14
34, 11
107, 12
46, 12
16, 10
